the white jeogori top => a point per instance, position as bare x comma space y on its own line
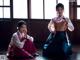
51, 26
15, 40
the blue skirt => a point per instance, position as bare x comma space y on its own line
57, 45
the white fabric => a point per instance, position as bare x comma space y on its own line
30, 38
68, 39
70, 25
15, 40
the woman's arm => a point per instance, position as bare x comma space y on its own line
70, 25
51, 26
30, 38
19, 44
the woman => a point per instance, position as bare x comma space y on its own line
58, 44
21, 45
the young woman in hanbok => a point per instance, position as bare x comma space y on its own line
21, 45
58, 44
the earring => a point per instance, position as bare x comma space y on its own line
17, 28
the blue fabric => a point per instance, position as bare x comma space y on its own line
48, 41
57, 45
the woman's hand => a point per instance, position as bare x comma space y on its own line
27, 53
52, 29
23, 37
25, 33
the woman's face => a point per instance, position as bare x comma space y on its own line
60, 11
23, 29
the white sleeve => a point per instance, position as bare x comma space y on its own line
30, 38
70, 25
11, 42
17, 42
51, 26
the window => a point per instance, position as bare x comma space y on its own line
6, 2
37, 9
20, 9
43, 9
50, 9
6, 12
78, 13
40, 9
46, 9
78, 2
4, 8
1, 2
78, 9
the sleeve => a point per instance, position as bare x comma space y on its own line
11, 42
70, 25
17, 42
30, 38
51, 26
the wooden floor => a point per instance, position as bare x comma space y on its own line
75, 55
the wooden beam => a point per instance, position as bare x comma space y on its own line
73, 10
11, 9
29, 8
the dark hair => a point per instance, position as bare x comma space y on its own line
20, 23
59, 5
